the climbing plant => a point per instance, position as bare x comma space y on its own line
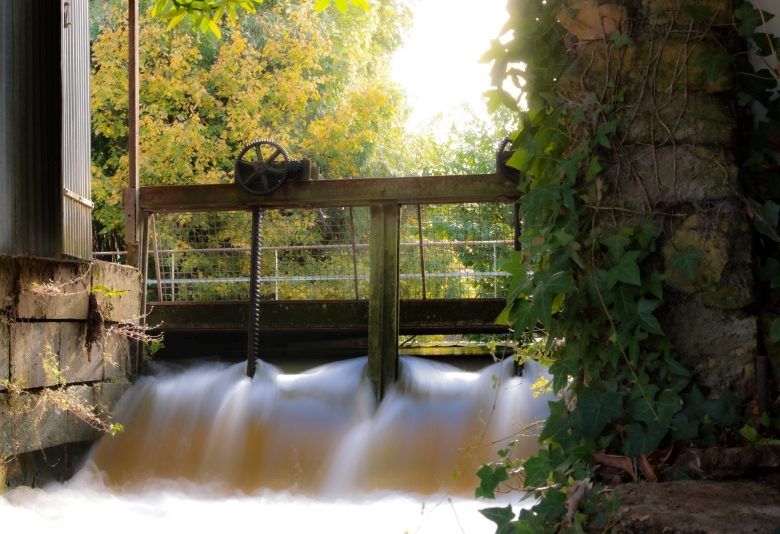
592, 281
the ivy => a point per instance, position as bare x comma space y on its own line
588, 285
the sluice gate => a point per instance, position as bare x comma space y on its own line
375, 257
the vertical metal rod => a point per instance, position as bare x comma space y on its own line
152, 219
354, 253
173, 277
253, 338
495, 271
130, 199
276, 274
144, 257
518, 226
422, 252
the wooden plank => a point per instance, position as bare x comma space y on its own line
431, 316
332, 193
383, 297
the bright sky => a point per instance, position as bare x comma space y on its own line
438, 65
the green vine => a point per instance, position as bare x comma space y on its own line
597, 260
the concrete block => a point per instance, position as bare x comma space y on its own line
115, 353
52, 289
76, 363
123, 307
7, 283
5, 354
34, 354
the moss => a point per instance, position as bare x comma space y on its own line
714, 248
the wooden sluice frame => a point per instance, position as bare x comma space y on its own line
384, 197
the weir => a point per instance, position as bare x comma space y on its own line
378, 306
321, 432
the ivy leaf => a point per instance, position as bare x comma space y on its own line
594, 168
537, 469
626, 271
522, 316
644, 309
362, 4
774, 330
698, 13
489, 478
641, 439
714, 64
341, 5
321, 5
765, 218
767, 43
604, 130
621, 40
686, 261
594, 411
750, 18
749, 433
668, 405
502, 517
498, 97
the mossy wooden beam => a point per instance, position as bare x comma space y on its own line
332, 193
430, 316
383, 297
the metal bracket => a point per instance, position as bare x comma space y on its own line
78, 198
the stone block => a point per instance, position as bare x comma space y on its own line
34, 354
695, 118
33, 421
656, 179
671, 11
107, 395
76, 363
77, 424
118, 291
5, 354
52, 289
720, 237
673, 64
720, 345
115, 353
7, 284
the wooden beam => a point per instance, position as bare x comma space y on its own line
332, 193
430, 316
383, 297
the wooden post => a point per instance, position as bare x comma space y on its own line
130, 197
383, 297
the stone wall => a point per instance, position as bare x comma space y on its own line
46, 317
675, 167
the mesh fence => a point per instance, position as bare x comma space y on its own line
447, 251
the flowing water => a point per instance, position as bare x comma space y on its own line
311, 452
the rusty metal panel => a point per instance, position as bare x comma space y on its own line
76, 203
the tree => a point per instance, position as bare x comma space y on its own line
319, 85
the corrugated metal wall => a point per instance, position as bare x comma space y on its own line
33, 149
7, 196
77, 207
